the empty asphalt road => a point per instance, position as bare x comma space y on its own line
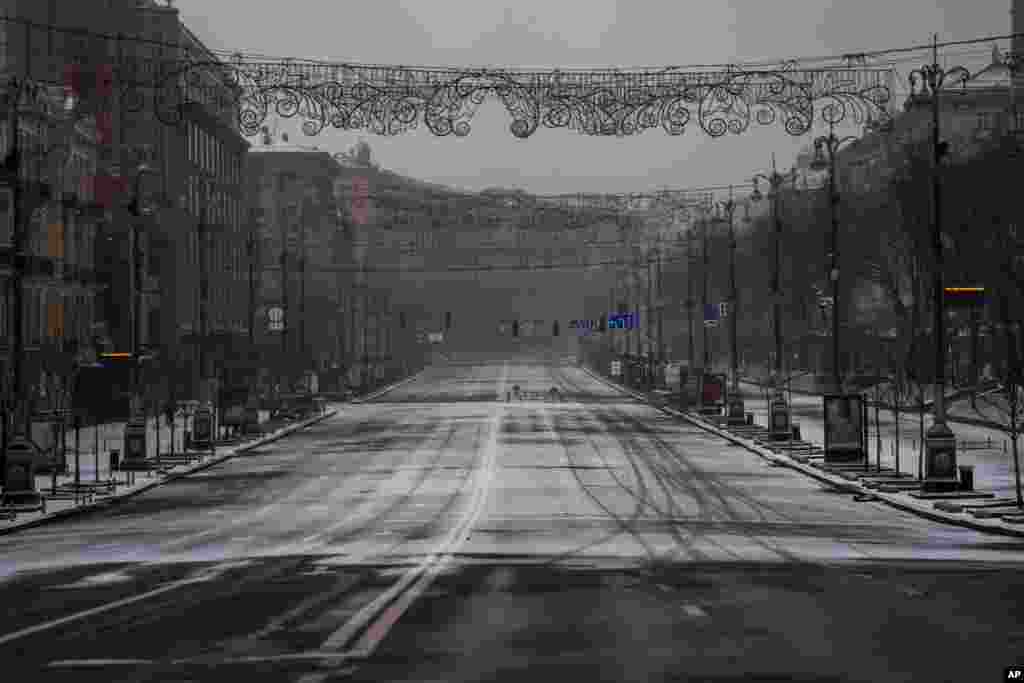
442, 533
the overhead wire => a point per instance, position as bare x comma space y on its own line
846, 58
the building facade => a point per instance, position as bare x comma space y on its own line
300, 245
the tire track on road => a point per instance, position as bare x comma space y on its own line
722, 491
634, 462
196, 597
625, 525
373, 622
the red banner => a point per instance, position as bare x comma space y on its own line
712, 390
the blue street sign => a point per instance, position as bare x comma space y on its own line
711, 312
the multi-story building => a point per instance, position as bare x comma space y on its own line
59, 144
192, 251
161, 184
301, 244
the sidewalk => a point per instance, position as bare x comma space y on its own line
126, 484
64, 505
993, 471
97, 441
986, 448
958, 404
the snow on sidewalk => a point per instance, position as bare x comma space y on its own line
993, 465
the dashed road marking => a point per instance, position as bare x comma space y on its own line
104, 579
694, 611
74, 663
205, 575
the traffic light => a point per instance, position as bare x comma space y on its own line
515, 328
554, 329
448, 320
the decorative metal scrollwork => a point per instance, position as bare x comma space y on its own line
390, 100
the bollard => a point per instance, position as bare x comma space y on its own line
796, 432
966, 477
115, 463
750, 418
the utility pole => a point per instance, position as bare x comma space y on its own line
704, 296
650, 322
283, 221
204, 291
364, 350
940, 470
689, 296
250, 246
135, 450
13, 162
778, 410
661, 311
303, 350
735, 399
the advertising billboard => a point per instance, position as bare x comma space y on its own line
844, 427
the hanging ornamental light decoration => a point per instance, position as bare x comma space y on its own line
392, 100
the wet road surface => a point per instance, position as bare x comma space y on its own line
440, 533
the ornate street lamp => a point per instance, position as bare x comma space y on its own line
940, 442
727, 211
831, 144
779, 411
135, 429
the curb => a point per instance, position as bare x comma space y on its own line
116, 499
390, 387
844, 485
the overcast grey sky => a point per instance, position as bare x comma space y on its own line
581, 33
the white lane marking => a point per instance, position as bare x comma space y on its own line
309, 603
66, 663
694, 611
334, 657
416, 580
103, 579
90, 612
204, 575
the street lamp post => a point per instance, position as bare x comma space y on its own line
661, 310
779, 410
303, 351
940, 460
705, 273
650, 323
19, 452
202, 425
727, 209
690, 301
831, 144
285, 330
135, 449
